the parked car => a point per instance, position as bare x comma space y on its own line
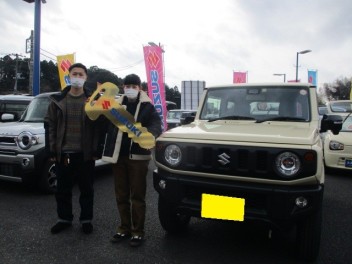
23, 156
12, 106
339, 107
233, 163
187, 117
338, 148
173, 118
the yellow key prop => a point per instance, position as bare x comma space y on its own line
103, 102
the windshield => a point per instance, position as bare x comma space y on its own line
174, 114
257, 103
37, 109
347, 125
341, 107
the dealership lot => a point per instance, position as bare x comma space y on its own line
26, 218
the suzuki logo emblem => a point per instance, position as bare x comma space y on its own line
224, 159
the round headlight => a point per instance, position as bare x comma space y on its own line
173, 155
26, 139
287, 164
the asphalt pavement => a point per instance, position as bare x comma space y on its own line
26, 217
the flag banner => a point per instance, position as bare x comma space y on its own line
312, 77
155, 77
63, 63
239, 77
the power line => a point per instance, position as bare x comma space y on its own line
48, 52
47, 57
126, 67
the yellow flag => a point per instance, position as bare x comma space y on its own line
63, 63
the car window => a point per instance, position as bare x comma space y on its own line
37, 109
340, 107
257, 103
347, 125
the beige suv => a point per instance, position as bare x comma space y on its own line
257, 143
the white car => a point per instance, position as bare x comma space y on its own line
338, 148
339, 107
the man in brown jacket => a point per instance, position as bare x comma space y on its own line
73, 141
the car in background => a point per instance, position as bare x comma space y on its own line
24, 157
339, 107
173, 118
188, 117
12, 106
323, 110
338, 148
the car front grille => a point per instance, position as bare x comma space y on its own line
7, 141
232, 160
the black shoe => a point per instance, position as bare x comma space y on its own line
87, 228
118, 237
136, 241
60, 226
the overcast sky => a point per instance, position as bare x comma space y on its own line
203, 40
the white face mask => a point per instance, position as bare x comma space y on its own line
77, 82
131, 93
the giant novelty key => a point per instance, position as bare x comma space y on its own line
103, 102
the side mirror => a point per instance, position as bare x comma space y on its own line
331, 122
187, 120
7, 117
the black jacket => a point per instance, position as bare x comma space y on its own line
148, 117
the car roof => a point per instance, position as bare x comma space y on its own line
47, 94
16, 97
261, 85
182, 110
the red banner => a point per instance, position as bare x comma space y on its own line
239, 77
155, 73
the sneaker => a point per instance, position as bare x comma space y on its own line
118, 237
87, 228
136, 241
60, 226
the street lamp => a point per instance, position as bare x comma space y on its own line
36, 52
300, 52
281, 74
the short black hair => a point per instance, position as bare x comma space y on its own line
132, 79
78, 65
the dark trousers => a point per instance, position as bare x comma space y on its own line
68, 172
130, 178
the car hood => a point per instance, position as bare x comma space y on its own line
15, 128
343, 137
244, 131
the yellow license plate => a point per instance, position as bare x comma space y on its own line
222, 207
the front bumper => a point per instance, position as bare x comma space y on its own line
338, 160
19, 167
270, 203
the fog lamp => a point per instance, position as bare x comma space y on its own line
301, 202
162, 184
25, 162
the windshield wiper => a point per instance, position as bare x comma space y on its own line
281, 118
232, 117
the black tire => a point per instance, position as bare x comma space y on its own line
170, 220
308, 237
48, 179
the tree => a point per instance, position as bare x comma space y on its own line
97, 75
340, 89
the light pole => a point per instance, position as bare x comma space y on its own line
281, 74
36, 52
300, 52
